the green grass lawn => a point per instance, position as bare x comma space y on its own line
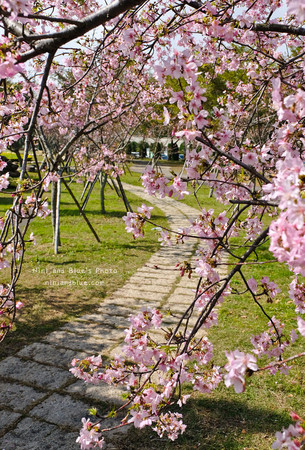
58, 288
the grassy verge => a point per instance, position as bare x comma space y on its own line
58, 288
133, 178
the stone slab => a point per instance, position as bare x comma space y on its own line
32, 434
108, 308
158, 336
187, 248
176, 309
120, 301
76, 342
139, 303
184, 302
62, 410
18, 397
116, 351
170, 253
140, 288
101, 393
156, 273
159, 266
131, 293
107, 320
184, 291
173, 321
45, 353
150, 280
33, 373
188, 283
181, 299
7, 418
166, 261
99, 330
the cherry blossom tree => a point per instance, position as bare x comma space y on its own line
116, 62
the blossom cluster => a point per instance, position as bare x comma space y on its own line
4, 182
135, 221
272, 343
269, 288
34, 206
51, 177
91, 162
291, 438
287, 232
154, 182
238, 364
90, 436
154, 372
87, 369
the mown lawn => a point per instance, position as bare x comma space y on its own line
58, 288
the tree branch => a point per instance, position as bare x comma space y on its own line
35, 113
54, 41
233, 159
210, 306
277, 28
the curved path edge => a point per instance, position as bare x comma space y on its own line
41, 402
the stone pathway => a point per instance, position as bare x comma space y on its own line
41, 402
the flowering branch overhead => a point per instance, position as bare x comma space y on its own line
228, 80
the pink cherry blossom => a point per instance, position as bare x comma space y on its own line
3, 164
141, 418
252, 285
236, 367
296, 8
166, 116
50, 177
90, 436
165, 238
171, 424
287, 438
145, 210
10, 67
4, 183
179, 188
297, 294
301, 326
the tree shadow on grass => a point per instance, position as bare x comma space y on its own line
47, 310
6, 200
133, 245
89, 212
133, 249
214, 424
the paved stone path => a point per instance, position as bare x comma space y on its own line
41, 402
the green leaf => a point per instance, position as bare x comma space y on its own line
112, 413
93, 411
